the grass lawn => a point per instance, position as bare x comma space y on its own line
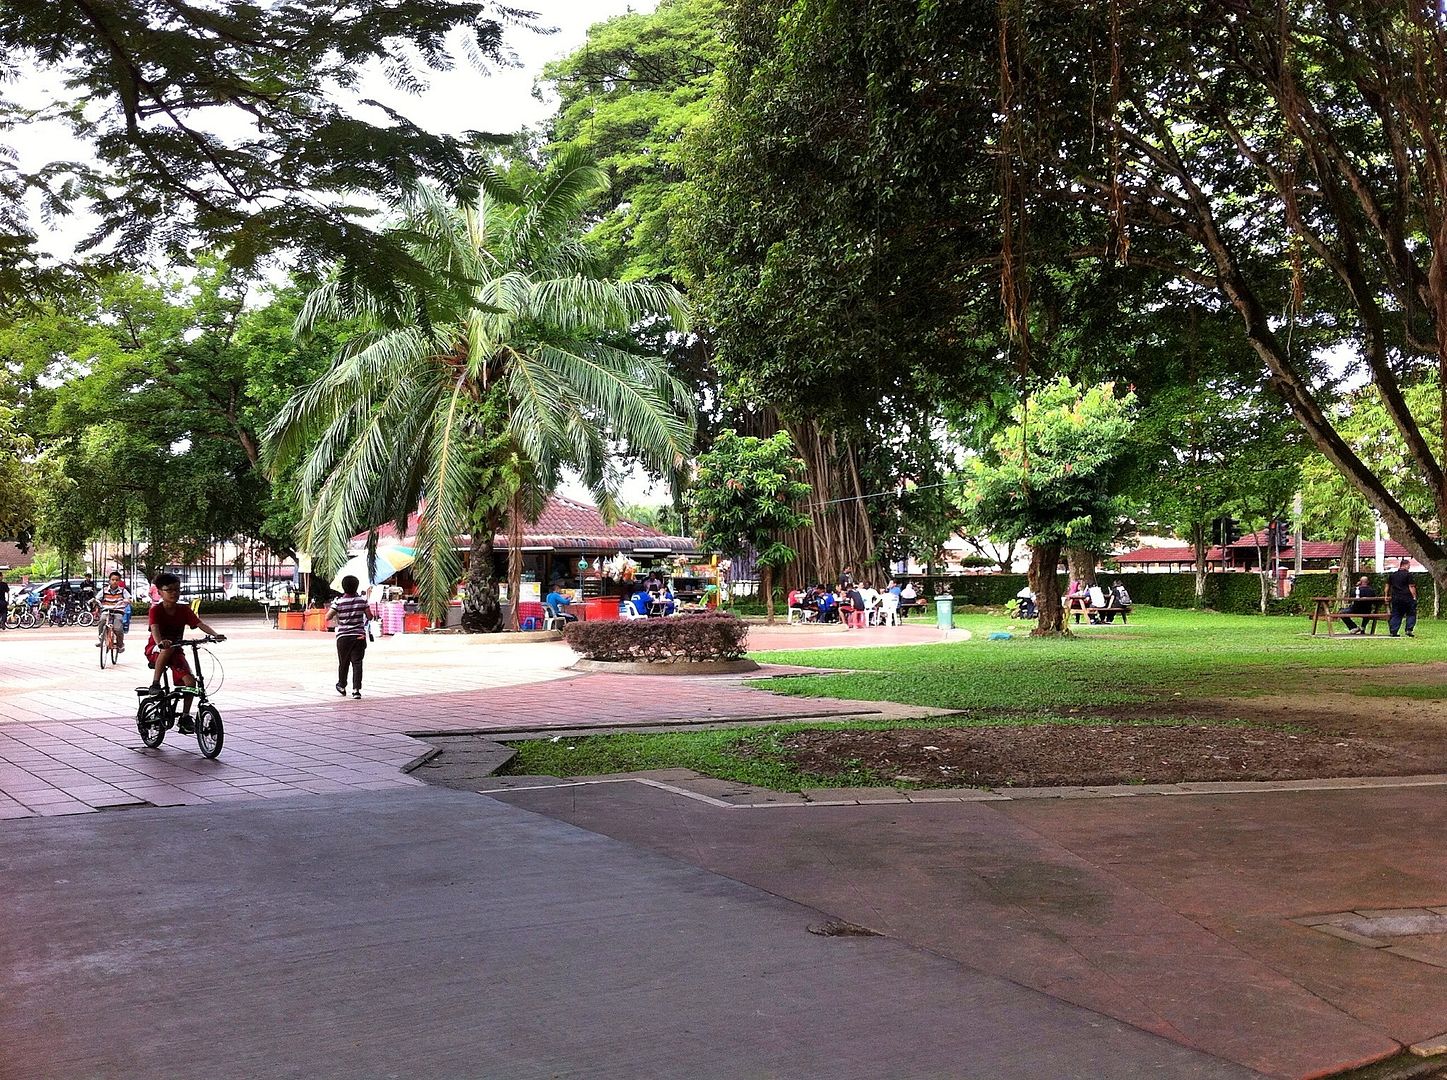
1162, 655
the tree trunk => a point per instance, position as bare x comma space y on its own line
514, 555
839, 533
1198, 545
1080, 563
1045, 581
1347, 569
481, 613
766, 578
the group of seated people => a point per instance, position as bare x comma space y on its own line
1085, 600
831, 604
652, 597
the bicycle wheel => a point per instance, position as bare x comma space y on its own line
105, 648
85, 618
209, 733
151, 722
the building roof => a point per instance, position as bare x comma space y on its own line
1310, 549
1167, 555
569, 525
11, 556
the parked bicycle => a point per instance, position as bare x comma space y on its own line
158, 713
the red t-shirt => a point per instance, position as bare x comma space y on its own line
171, 625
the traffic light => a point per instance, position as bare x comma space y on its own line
1225, 531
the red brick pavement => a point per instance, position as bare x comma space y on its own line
71, 767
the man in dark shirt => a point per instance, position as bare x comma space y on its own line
1403, 595
1363, 604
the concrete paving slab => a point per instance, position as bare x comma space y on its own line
431, 933
1174, 915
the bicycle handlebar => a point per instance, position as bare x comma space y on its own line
207, 640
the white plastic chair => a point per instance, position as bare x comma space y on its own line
553, 620
889, 610
629, 610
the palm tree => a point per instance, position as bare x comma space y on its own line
467, 398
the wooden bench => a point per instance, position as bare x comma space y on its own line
1325, 612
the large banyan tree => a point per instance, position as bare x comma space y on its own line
1284, 158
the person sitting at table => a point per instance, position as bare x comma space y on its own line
643, 601
853, 601
828, 605
1094, 598
558, 605
907, 597
870, 595
1119, 598
1362, 604
663, 601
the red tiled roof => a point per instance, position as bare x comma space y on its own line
1324, 549
11, 556
574, 526
1167, 555
1310, 549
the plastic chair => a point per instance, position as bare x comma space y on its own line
553, 620
855, 619
629, 610
889, 610
528, 622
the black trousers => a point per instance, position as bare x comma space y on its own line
350, 651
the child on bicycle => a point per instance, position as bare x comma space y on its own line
115, 601
169, 621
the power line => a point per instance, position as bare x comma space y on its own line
879, 494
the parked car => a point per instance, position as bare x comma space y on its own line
42, 587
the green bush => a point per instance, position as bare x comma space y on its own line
1231, 593
684, 637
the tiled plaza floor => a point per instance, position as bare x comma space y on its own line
68, 741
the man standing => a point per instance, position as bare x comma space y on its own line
1364, 603
1403, 595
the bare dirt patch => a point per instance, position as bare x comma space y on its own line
1047, 755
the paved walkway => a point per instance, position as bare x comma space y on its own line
287, 733
435, 934
1187, 916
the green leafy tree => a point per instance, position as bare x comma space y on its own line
745, 496
630, 99
1282, 162
466, 399
145, 399
19, 478
1202, 446
1053, 477
1334, 506
225, 124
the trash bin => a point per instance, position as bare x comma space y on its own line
945, 612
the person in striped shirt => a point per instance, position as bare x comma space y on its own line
351, 615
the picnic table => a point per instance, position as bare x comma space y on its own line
1326, 611
1080, 605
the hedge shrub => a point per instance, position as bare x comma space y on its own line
692, 638
1233, 593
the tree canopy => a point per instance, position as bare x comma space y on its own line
1053, 477
224, 126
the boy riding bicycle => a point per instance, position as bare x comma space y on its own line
169, 621
115, 601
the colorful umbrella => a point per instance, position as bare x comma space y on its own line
389, 561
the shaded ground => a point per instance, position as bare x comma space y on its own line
1379, 722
